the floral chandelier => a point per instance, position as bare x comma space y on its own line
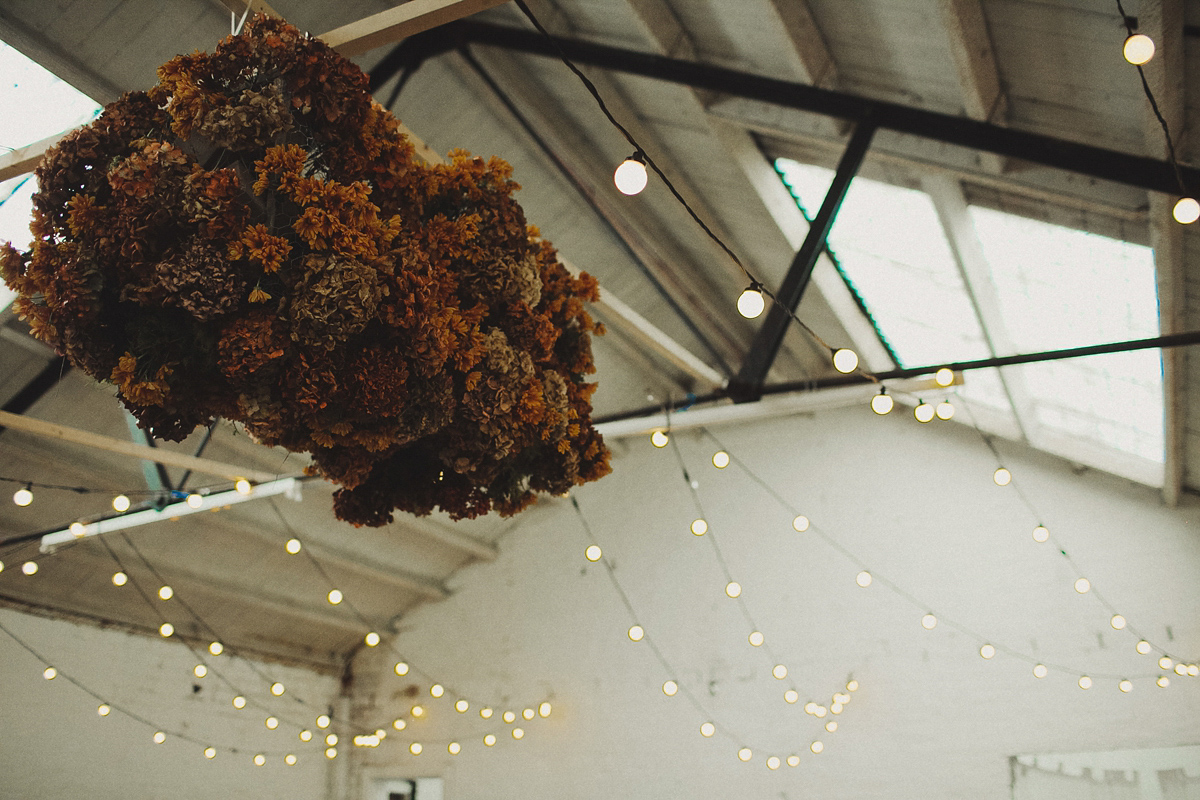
254, 239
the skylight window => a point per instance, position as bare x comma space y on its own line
1055, 287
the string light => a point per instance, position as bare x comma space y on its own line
331, 739
1125, 685
987, 651
278, 689
293, 546
593, 553
1002, 477
733, 589
793, 761
518, 733
159, 737
454, 748
334, 597
817, 747
707, 730
77, 529
1041, 533
195, 500
923, 412
290, 760
120, 503
545, 709
417, 711
371, 639
120, 579
485, 713
49, 673
166, 593
323, 721
509, 717
800, 524
745, 754
1085, 682
489, 740
331, 753
1181, 669
167, 630
1040, 671
242, 486
750, 302
670, 688
1138, 49
1118, 622
720, 459
1163, 681
755, 638
239, 702
929, 622
29, 567
437, 690
1143, 647
200, 671
791, 696
1186, 211
216, 648
863, 579
636, 633
1083, 585
882, 403
659, 439
104, 709
24, 495
773, 762
415, 748
852, 686
944, 377
1165, 662
631, 177
831, 726
399, 724
845, 360
699, 527
779, 672
401, 668
210, 753
528, 714
944, 410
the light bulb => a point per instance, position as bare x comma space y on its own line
23, 496
636, 633
1194, 670
159, 737
166, 629
863, 579
793, 761
929, 622
831, 726
852, 686
779, 671
1138, 49
733, 589
104, 709
371, 639
791, 696
841, 697
810, 708
1125, 685
882, 403
417, 711
1083, 585
800, 524
437, 690
816, 747
1163, 681
509, 717
399, 724
461, 706
485, 713
292, 546
1085, 682
773, 762
845, 361
1117, 621
259, 760
331, 753
699, 527
239, 702
323, 721
756, 638
49, 673
750, 302
518, 733
720, 459
745, 754
1186, 211
454, 748
331, 740
659, 439
1143, 647
544, 710
924, 412
944, 377
593, 553
670, 688
166, 593
242, 486
944, 410
835, 708
120, 503
216, 648
200, 670
78, 529
415, 748
1041, 533
401, 668
987, 651
334, 597
194, 500
707, 730
1040, 671
210, 753
631, 177
29, 567
1002, 476
278, 689
290, 760
1181, 669
528, 714
306, 735
1165, 662
489, 740
820, 711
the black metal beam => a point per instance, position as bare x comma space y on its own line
34, 390
748, 384
1096, 162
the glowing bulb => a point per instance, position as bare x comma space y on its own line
417, 711
23, 496
77, 529
415, 748
1002, 477
29, 567
437, 690
707, 730
1040, 671
1186, 211
120, 503
1143, 647
544, 710
1193, 670
820, 712
841, 697
791, 696
1165, 662
1085, 682
800, 524
852, 686
334, 597
509, 717
831, 726
401, 668
1041, 533
49, 673
331, 753
166, 593
636, 633
816, 747
306, 735
745, 754
278, 689
461, 706
239, 702
810, 708
835, 708
750, 302
528, 714
200, 670
259, 760
944, 410
194, 500
1125, 685
485, 713
793, 761
323, 721
845, 361
104, 709
923, 412
863, 579
399, 724
779, 671
659, 439
720, 459
733, 589
773, 762
159, 737
371, 639
630, 177
1083, 585
242, 486
216, 648
210, 753
290, 760
166, 629
331, 739
518, 733
929, 622
1138, 49
454, 748
489, 740
944, 376
1163, 681
987, 651
699, 527
292, 546
756, 639
1181, 669
1117, 621
593, 553
882, 403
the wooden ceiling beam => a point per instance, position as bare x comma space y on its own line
813, 58
400, 22
978, 73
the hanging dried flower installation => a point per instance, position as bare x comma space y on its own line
254, 239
